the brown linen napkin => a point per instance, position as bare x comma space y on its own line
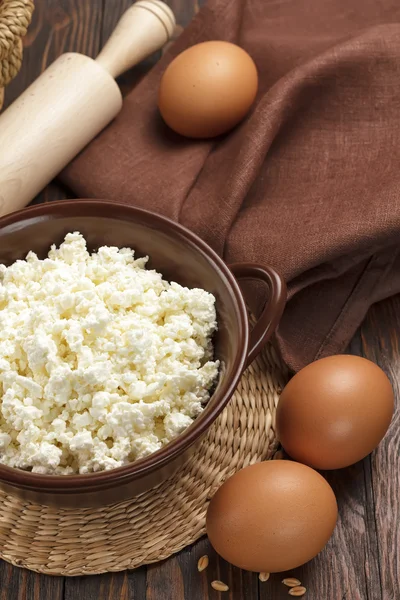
308, 183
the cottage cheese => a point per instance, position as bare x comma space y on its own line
101, 360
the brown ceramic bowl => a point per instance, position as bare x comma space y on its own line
180, 256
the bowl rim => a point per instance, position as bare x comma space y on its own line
81, 483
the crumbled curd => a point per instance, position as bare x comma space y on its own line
101, 360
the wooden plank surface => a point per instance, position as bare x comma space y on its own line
362, 561
379, 341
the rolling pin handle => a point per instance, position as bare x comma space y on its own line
144, 28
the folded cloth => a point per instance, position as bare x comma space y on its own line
309, 183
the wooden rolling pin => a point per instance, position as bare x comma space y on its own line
71, 102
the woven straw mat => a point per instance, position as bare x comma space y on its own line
164, 520
15, 17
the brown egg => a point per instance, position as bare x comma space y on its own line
272, 516
334, 412
208, 89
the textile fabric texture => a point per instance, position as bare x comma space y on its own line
308, 183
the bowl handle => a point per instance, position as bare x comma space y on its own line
273, 308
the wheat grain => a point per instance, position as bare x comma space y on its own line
299, 590
202, 563
219, 586
291, 582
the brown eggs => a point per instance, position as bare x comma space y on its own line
334, 412
272, 516
208, 89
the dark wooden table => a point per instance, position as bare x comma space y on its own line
362, 561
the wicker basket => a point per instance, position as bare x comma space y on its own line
15, 16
